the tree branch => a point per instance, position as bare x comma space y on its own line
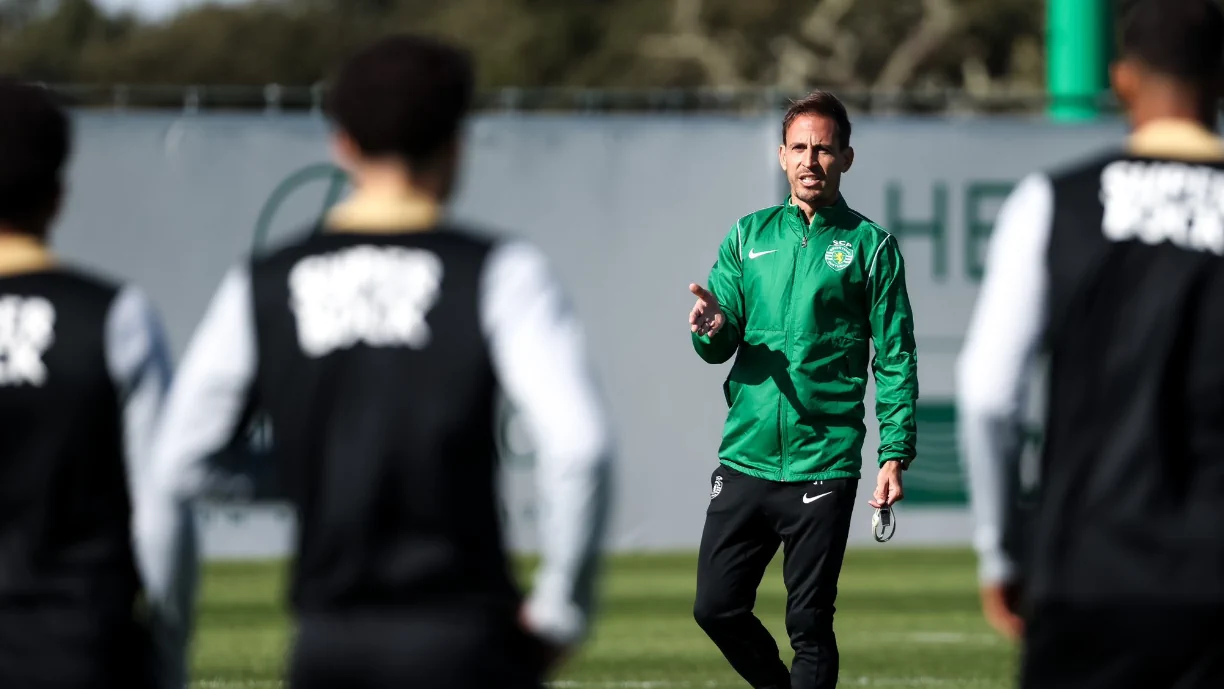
799, 65
938, 21
690, 41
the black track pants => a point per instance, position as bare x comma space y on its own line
748, 518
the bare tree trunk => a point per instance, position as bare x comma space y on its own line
938, 22
799, 66
689, 40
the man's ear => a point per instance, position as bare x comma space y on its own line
782, 156
848, 154
1125, 78
345, 151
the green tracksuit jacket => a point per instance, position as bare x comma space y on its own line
802, 303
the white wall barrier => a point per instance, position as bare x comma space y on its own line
630, 210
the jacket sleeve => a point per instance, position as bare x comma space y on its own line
896, 357
727, 285
139, 361
204, 409
538, 350
994, 372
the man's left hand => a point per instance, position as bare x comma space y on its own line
888, 485
1001, 605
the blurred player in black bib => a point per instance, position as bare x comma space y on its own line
83, 368
377, 347
1114, 269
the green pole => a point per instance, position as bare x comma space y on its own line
1077, 54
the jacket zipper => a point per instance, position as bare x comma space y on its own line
783, 435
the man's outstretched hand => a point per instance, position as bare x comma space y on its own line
707, 317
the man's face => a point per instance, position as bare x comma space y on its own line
814, 161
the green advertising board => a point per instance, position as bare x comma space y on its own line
936, 477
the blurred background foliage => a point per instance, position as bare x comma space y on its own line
980, 47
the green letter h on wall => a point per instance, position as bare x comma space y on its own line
936, 227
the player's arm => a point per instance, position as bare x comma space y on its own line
994, 374
139, 363
203, 411
895, 365
538, 350
726, 287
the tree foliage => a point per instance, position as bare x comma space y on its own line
880, 46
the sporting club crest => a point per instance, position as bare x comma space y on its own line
839, 255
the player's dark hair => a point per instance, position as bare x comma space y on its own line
820, 103
34, 146
404, 96
1183, 39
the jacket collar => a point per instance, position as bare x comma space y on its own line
825, 215
1177, 139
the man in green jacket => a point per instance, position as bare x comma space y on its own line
797, 294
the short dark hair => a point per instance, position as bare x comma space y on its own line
820, 103
34, 146
1183, 39
404, 96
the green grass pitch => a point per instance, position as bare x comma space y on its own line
905, 618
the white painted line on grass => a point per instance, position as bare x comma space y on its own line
633, 684
238, 684
949, 638
909, 682
630, 684
845, 681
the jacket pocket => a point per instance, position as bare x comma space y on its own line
858, 355
751, 434
829, 375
